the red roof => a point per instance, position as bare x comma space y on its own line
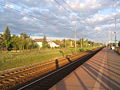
38, 40
58, 43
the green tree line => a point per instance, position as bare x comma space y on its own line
13, 42
79, 43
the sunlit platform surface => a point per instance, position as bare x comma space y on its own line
101, 72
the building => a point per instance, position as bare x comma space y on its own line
53, 44
39, 42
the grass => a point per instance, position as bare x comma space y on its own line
14, 59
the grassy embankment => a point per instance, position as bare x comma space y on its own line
14, 59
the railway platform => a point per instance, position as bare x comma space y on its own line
101, 72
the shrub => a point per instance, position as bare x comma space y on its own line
81, 50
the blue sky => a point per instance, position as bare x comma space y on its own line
93, 19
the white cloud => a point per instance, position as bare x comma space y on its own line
9, 6
25, 19
28, 21
82, 5
98, 28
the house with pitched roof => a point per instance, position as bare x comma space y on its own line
39, 42
53, 44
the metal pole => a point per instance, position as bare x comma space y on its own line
115, 38
111, 37
75, 37
65, 42
115, 30
115, 25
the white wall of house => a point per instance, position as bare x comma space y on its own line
52, 44
40, 44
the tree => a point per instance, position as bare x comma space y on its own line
44, 42
1, 42
64, 41
29, 44
7, 39
24, 41
80, 42
24, 35
119, 44
86, 42
15, 42
7, 35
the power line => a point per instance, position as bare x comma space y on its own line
28, 8
62, 6
32, 16
69, 7
74, 11
44, 15
52, 12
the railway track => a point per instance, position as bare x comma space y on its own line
18, 77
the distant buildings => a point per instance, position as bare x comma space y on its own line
52, 44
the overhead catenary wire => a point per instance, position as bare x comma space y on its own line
42, 14
28, 9
47, 17
62, 6
75, 12
70, 8
32, 16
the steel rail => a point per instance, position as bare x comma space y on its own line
19, 76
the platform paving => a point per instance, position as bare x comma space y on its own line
101, 72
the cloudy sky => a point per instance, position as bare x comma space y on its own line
92, 19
